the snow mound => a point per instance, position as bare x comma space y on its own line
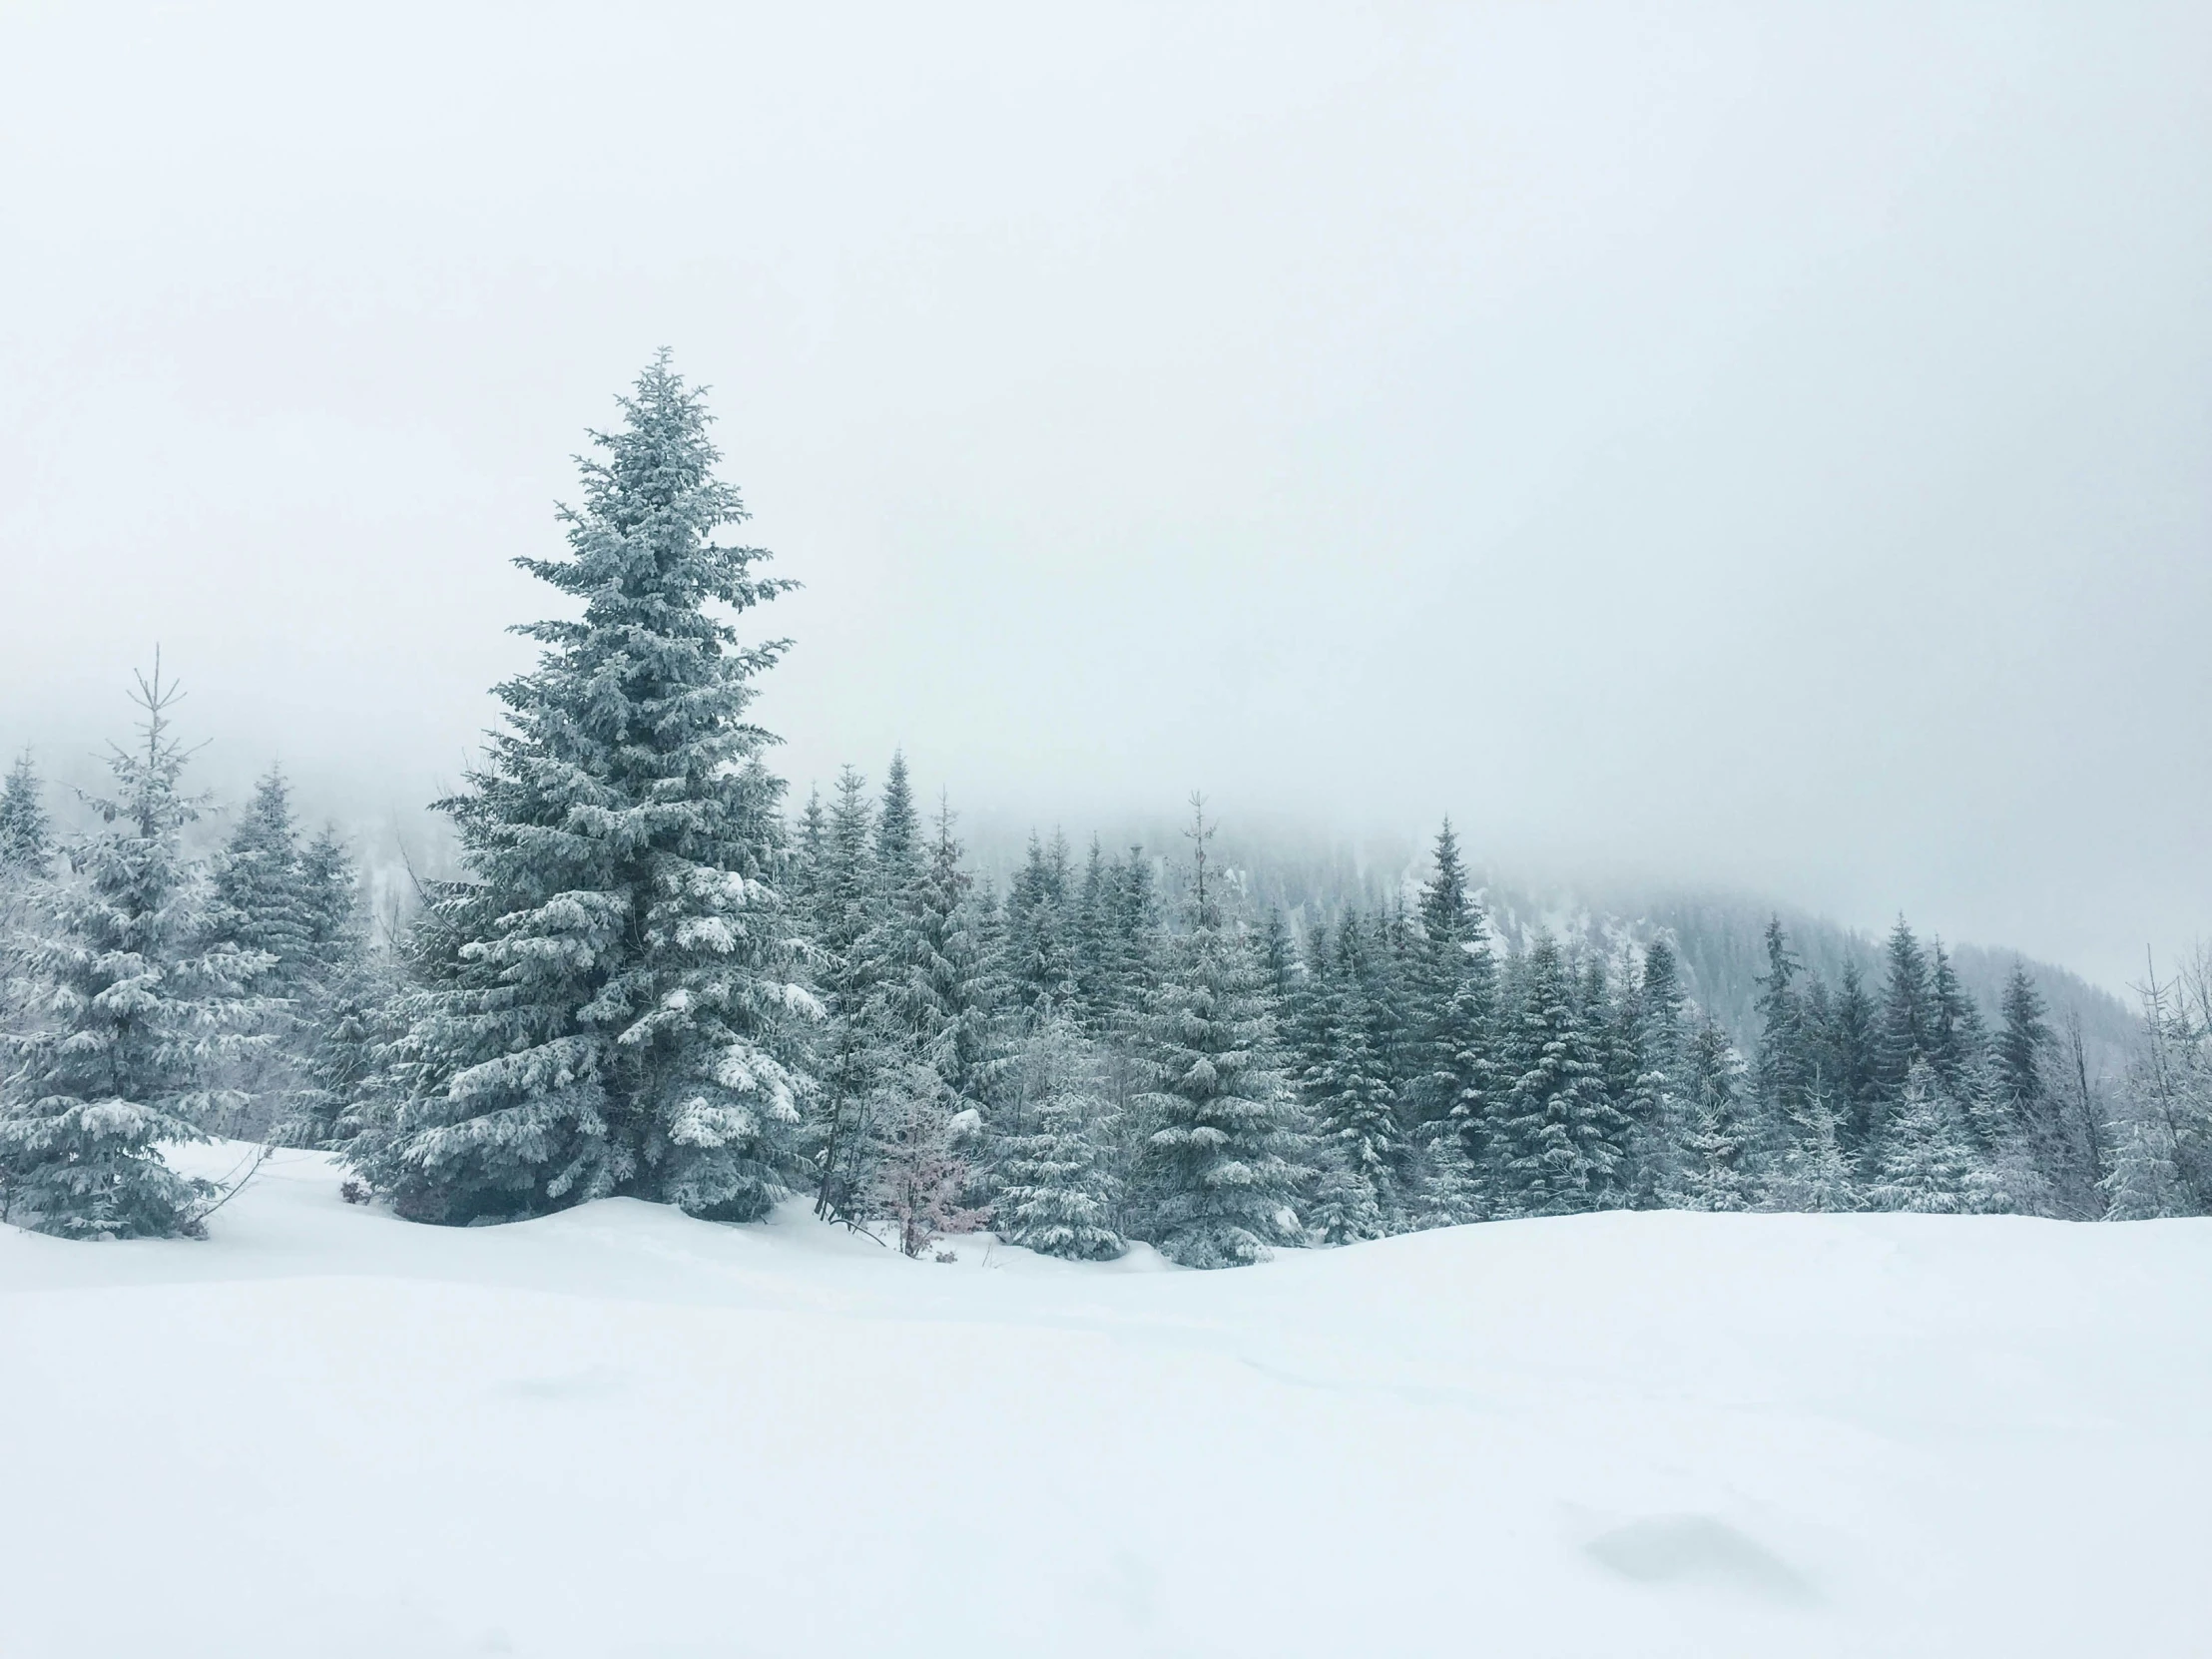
620, 1431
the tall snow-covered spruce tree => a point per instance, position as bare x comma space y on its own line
610, 1003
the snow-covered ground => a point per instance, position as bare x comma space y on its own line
326, 1432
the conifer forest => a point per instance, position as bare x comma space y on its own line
657, 973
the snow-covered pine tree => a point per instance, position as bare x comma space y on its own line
1041, 960
1220, 1166
897, 838
810, 850
1343, 1208
26, 864
1473, 1121
843, 880
26, 832
331, 904
1057, 1193
352, 1021
2019, 1053
261, 901
948, 990
619, 1010
2162, 1143
1653, 1104
2147, 1181
300, 904
1906, 1032
1442, 1039
1811, 1173
1136, 936
1112, 1014
1563, 1138
886, 1084
1447, 1191
904, 955
138, 1011
1799, 1137
1278, 963
1820, 1028
1783, 1071
1622, 1044
1389, 965
1309, 1016
1926, 1158
1090, 942
1959, 1052
1448, 910
2023, 1059
1957, 1036
1713, 1173
855, 1038
346, 1006
1352, 1105
1851, 1084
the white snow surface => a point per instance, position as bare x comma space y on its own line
618, 1431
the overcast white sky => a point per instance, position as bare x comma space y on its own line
1758, 443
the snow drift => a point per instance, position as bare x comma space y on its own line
618, 1431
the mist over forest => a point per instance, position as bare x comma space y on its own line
644, 967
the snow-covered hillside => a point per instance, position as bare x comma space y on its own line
618, 1431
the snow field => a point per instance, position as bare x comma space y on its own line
618, 1431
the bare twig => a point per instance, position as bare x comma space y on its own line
252, 1167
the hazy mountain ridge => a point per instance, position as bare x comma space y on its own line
1719, 937
1717, 933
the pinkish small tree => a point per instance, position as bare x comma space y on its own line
921, 1168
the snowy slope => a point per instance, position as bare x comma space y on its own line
617, 1431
